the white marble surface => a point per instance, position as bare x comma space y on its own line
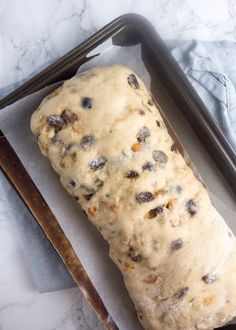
33, 34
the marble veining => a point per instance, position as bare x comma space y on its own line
32, 35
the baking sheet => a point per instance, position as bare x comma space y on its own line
86, 241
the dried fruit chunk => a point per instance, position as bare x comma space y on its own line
132, 174
143, 134
150, 279
154, 212
209, 278
160, 157
145, 197
86, 103
92, 211
56, 122
150, 102
148, 166
88, 197
72, 183
97, 163
174, 147
171, 203
69, 116
112, 207
178, 189
181, 293
87, 141
128, 266
133, 82
209, 300
134, 255
176, 245
191, 206
160, 192
141, 112
136, 147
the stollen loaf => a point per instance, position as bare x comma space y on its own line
105, 137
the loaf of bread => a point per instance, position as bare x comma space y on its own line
107, 140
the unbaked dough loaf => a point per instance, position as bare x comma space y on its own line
107, 140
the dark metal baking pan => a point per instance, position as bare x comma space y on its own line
125, 30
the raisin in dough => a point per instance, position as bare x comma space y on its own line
107, 141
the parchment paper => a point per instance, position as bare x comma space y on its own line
86, 241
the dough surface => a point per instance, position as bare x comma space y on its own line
107, 141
